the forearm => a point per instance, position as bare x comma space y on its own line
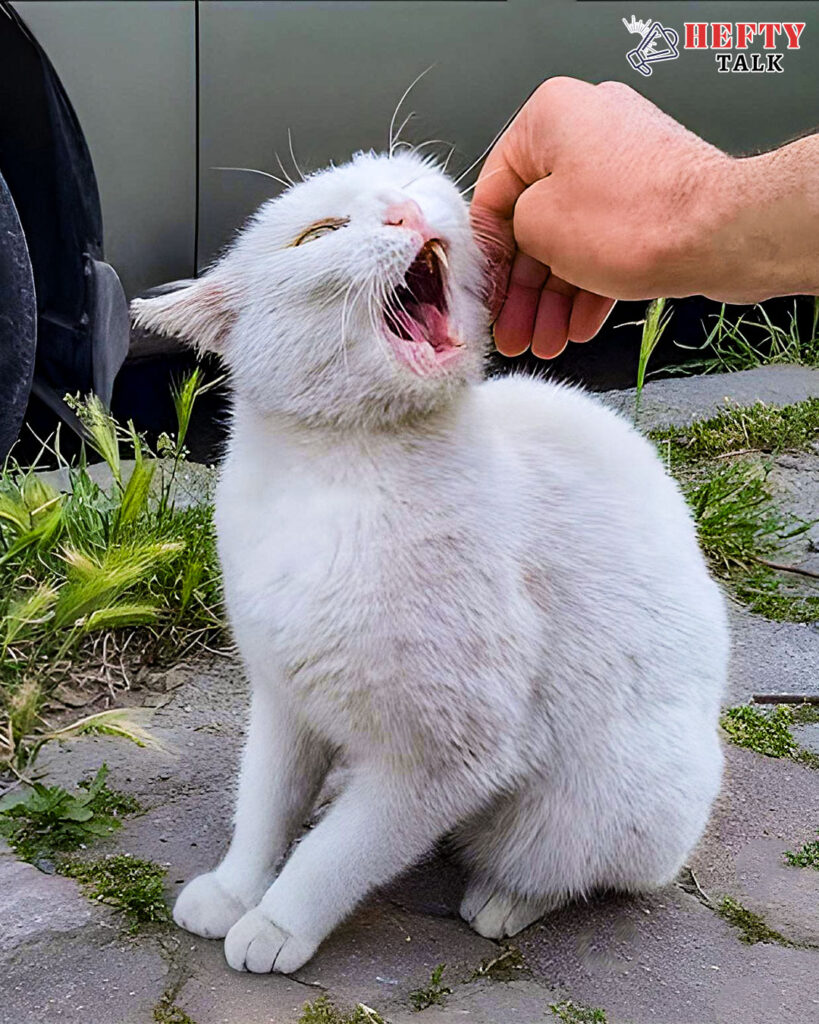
766, 232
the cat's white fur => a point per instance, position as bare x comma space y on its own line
487, 594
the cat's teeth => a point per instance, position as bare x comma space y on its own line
440, 252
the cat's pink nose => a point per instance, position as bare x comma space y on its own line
406, 214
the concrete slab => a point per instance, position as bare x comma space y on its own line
63, 958
677, 402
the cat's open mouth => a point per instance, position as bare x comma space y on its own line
416, 315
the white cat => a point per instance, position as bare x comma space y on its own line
487, 594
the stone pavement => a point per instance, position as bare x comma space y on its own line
667, 958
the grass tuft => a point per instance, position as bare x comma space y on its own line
432, 994
751, 926
807, 856
322, 1011
737, 520
572, 1013
747, 343
767, 733
755, 428
654, 325
43, 821
130, 885
82, 572
740, 528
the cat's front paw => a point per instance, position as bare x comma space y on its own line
257, 944
206, 907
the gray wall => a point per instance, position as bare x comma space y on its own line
332, 73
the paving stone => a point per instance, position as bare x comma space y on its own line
771, 657
488, 1002
677, 402
215, 995
667, 959
767, 805
63, 958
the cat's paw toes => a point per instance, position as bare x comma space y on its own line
257, 944
478, 893
205, 907
501, 915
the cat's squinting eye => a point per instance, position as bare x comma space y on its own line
323, 227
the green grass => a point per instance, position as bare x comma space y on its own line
766, 732
84, 571
432, 994
572, 1013
132, 886
654, 325
740, 530
756, 428
740, 527
754, 340
322, 1011
737, 520
752, 928
43, 821
766, 593
807, 856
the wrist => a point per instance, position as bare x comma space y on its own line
761, 243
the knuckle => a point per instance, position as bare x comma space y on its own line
554, 89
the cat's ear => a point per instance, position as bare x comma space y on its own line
200, 313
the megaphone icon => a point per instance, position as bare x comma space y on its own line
643, 56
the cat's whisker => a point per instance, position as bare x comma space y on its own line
402, 126
475, 162
293, 155
429, 142
480, 179
390, 138
284, 172
255, 170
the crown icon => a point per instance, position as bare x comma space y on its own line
637, 27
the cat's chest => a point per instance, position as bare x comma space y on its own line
287, 551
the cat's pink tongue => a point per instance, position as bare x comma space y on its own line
428, 326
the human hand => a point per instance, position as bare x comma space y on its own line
594, 194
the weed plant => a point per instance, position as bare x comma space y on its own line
93, 579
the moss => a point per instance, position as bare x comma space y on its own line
572, 1013
758, 427
167, 1012
767, 733
805, 714
807, 856
128, 884
434, 993
506, 966
751, 926
322, 1011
